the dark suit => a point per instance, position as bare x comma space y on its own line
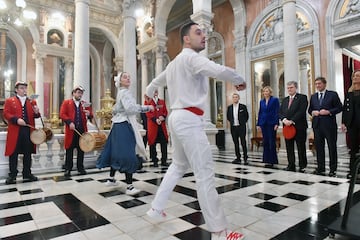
267, 119
238, 131
325, 127
296, 113
351, 119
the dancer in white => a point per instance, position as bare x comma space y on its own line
187, 82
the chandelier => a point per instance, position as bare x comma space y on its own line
16, 14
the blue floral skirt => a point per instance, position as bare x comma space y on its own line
119, 150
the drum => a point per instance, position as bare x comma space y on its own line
39, 136
49, 134
91, 141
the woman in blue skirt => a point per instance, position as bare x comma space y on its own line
124, 149
268, 122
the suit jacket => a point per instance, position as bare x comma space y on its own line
12, 112
152, 127
243, 114
67, 114
296, 112
348, 115
269, 114
331, 102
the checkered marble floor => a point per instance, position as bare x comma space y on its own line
262, 203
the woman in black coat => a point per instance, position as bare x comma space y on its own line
351, 117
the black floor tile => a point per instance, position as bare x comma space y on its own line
15, 219
295, 235
278, 182
331, 182
295, 196
12, 205
34, 235
131, 203
312, 228
8, 190
84, 180
112, 193
195, 218
303, 182
59, 230
262, 196
265, 172
194, 205
275, 207
194, 234
243, 172
186, 191
30, 191
155, 181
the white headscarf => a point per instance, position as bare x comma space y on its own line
117, 79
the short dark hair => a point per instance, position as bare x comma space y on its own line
322, 79
185, 29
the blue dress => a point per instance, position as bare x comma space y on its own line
267, 119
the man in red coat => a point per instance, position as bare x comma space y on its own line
20, 113
74, 114
157, 132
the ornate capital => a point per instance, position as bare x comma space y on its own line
118, 63
68, 60
38, 56
160, 50
128, 7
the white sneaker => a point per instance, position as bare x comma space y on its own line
130, 190
224, 235
158, 215
111, 182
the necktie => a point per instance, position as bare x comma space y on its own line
321, 98
290, 101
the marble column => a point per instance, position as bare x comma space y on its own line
118, 66
82, 51
68, 83
291, 55
159, 66
129, 23
274, 83
144, 75
39, 79
303, 84
55, 87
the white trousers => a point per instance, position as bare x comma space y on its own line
192, 149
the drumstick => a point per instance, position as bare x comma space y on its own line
28, 125
77, 132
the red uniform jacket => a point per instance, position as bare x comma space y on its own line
160, 110
67, 114
12, 112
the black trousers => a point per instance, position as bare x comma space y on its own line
160, 138
300, 139
23, 146
322, 133
70, 155
239, 132
128, 176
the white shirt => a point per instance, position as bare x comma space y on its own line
22, 99
126, 106
187, 80
323, 94
235, 113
